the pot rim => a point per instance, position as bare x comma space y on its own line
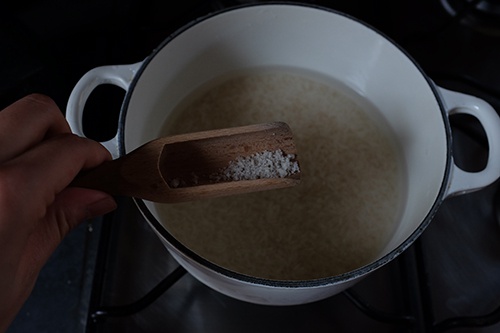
344, 277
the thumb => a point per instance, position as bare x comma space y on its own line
79, 204
74, 205
71, 207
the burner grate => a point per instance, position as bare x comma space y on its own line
419, 315
482, 15
417, 304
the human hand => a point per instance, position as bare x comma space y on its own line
39, 157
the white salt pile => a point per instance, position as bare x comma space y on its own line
266, 164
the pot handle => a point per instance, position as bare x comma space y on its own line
461, 181
119, 75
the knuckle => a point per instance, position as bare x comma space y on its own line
83, 150
45, 106
42, 102
40, 99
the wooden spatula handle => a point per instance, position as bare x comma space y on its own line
134, 174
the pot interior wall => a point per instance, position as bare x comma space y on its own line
314, 40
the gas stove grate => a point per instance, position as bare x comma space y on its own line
418, 304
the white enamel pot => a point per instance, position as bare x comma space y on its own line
318, 40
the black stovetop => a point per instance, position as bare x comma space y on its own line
114, 275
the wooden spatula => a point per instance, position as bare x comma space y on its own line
191, 166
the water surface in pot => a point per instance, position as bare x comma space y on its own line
347, 206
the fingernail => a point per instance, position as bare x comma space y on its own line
101, 207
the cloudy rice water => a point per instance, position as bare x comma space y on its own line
337, 219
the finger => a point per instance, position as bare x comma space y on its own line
27, 122
71, 207
74, 205
34, 178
